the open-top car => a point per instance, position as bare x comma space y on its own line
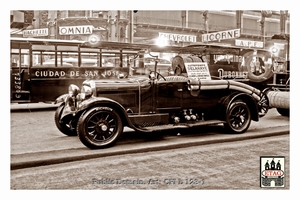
99, 111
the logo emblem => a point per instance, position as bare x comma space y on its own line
272, 171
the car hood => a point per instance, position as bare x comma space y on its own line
120, 84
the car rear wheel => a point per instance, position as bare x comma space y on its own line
238, 117
99, 127
63, 126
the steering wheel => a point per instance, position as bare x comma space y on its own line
158, 75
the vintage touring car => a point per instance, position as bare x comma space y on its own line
99, 111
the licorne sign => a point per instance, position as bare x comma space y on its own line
221, 35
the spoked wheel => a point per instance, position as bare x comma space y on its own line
263, 104
65, 125
178, 65
99, 127
238, 117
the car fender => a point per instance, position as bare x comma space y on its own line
105, 102
66, 111
61, 98
248, 99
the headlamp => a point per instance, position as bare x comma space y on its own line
73, 90
86, 92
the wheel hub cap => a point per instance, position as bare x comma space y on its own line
103, 127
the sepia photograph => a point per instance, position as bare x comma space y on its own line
150, 100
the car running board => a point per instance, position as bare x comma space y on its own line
180, 125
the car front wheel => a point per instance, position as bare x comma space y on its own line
99, 127
238, 117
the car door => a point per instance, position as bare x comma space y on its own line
169, 95
203, 95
